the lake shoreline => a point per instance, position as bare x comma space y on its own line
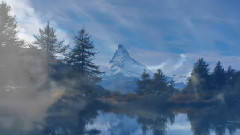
180, 100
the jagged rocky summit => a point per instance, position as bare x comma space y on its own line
122, 63
123, 72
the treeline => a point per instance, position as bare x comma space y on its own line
48, 61
202, 84
211, 84
158, 85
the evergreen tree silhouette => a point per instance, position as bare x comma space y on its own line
47, 40
230, 76
159, 82
50, 46
10, 44
144, 84
8, 28
199, 79
80, 59
218, 76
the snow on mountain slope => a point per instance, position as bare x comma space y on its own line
122, 63
123, 72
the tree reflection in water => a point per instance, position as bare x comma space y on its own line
70, 117
221, 119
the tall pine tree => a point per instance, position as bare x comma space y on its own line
10, 45
80, 59
50, 46
47, 40
199, 79
8, 28
218, 76
144, 85
230, 76
159, 83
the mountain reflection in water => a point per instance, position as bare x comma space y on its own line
95, 117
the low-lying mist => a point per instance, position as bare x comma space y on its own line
24, 97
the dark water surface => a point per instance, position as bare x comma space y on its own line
142, 119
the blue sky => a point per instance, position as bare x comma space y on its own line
167, 34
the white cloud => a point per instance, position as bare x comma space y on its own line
155, 67
180, 62
28, 20
173, 64
151, 23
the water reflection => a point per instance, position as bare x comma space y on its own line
120, 124
79, 117
221, 119
116, 124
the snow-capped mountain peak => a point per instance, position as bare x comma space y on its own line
123, 72
120, 54
122, 63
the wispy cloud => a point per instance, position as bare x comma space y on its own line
171, 33
29, 21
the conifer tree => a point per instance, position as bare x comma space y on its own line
236, 85
218, 76
10, 44
199, 79
47, 40
81, 57
230, 75
159, 83
144, 84
8, 28
51, 47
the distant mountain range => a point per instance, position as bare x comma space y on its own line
123, 71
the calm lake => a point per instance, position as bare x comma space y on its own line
143, 119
